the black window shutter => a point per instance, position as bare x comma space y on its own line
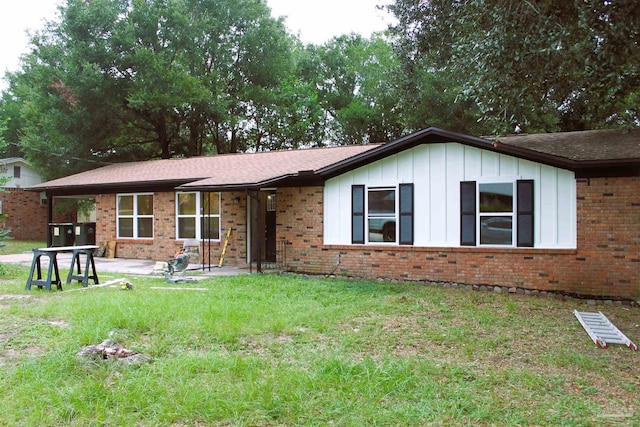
357, 214
406, 214
468, 213
524, 219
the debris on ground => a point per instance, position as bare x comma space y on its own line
122, 284
110, 350
125, 285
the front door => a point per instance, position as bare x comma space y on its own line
270, 228
263, 226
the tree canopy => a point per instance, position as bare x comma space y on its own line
538, 65
128, 79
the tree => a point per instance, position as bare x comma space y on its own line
536, 65
117, 80
356, 82
4, 232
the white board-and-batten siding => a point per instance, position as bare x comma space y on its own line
436, 171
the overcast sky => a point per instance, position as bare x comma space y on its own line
315, 21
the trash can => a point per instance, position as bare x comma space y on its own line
62, 234
85, 233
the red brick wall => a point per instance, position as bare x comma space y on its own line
27, 219
164, 244
606, 262
299, 232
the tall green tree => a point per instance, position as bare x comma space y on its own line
116, 80
356, 82
4, 232
10, 126
537, 65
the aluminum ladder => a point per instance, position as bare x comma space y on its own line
601, 330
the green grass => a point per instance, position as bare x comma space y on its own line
289, 350
20, 246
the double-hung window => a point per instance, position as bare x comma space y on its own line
377, 211
496, 213
135, 216
198, 215
381, 215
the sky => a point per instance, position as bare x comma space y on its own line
314, 21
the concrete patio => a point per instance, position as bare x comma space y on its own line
138, 267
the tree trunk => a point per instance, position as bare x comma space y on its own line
163, 136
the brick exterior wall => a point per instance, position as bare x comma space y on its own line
606, 263
164, 244
27, 218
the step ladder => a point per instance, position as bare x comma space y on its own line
224, 248
601, 330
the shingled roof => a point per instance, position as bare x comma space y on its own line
584, 146
227, 171
588, 153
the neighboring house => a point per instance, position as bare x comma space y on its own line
552, 212
26, 211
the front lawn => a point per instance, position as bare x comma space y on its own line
290, 350
20, 246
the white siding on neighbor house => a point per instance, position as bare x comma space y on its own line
28, 175
436, 171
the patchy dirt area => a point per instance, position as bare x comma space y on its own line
496, 337
17, 340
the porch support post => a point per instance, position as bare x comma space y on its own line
49, 218
260, 232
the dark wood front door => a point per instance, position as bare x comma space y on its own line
270, 228
264, 226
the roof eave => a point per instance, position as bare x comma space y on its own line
141, 186
300, 179
611, 168
430, 135
621, 167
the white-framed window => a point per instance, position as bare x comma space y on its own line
271, 202
198, 215
135, 215
497, 213
382, 214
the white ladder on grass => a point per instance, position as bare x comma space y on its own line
601, 330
